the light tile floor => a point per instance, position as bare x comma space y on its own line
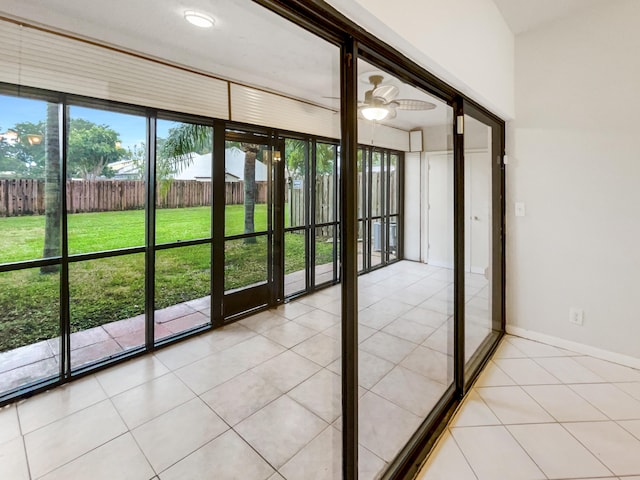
258, 399
540, 412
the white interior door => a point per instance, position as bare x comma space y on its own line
477, 173
439, 238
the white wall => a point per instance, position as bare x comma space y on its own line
413, 209
464, 42
576, 165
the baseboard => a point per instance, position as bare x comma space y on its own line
614, 357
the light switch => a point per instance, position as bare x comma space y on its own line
519, 209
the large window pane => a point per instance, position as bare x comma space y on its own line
30, 226
106, 188
29, 326
183, 181
30, 180
106, 307
182, 290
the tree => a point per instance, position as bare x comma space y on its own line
25, 157
189, 138
9, 165
183, 140
138, 155
295, 153
175, 152
52, 190
91, 148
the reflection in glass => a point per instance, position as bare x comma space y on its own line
182, 289
106, 307
394, 184
106, 180
378, 240
245, 263
478, 221
325, 195
405, 318
393, 238
361, 246
377, 183
29, 326
183, 181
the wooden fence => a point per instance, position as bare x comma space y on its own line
26, 196
324, 192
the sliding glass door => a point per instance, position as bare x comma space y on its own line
249, 274
483, 233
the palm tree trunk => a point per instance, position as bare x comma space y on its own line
250, 154
52, 190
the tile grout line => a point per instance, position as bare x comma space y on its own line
593, 454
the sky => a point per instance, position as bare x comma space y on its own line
131, 128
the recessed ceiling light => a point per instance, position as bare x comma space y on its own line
198, 19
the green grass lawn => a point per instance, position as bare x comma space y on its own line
22, 238
110, 289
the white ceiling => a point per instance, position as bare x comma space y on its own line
248, 44
525, 15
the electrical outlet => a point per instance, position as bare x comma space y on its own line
576, 316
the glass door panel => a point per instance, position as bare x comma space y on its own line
248, 264
482, 235
406, 308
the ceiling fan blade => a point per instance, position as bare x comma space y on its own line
411, 104
392, 112
388, 92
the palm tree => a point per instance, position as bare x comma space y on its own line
175, 154
250, 153
52, 190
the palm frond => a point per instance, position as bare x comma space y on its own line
184, 140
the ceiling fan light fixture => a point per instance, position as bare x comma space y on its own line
198, 19
375, 113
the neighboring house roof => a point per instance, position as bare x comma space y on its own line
124, 169
200, 167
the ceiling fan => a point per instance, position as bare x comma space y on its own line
380, 101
